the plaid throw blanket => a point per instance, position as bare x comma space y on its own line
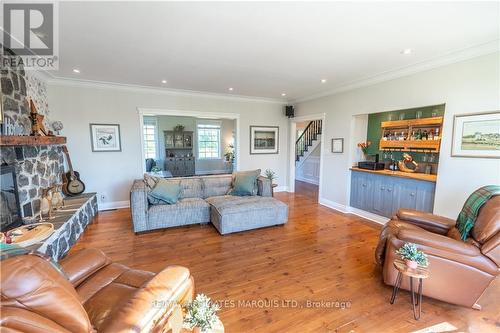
468, 215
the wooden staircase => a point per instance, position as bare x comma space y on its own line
305, 140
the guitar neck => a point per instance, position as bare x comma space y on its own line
68, 159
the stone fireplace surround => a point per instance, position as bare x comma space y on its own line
37, 167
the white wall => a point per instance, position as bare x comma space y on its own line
307, 170
77, 105
466, 87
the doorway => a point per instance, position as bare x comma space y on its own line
187, 143
307, 140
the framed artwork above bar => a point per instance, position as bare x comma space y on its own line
476, 135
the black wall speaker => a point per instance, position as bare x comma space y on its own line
289, 112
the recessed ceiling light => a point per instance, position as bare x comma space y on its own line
406, 51
163, 81
76, 70
283, 94
323, 80
230, 89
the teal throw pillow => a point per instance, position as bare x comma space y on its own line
166, 191
244, 184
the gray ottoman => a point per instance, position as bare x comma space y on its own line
232, 213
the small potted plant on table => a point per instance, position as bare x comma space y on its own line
412, 256
271, 175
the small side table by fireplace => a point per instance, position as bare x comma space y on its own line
419, 273
272, 188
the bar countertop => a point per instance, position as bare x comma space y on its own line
401, 174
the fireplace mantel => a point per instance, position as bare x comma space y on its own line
17, 140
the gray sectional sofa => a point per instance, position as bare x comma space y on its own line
204, 199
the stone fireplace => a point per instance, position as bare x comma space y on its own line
37, 168
38, 163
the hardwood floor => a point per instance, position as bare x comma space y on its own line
319, 255
308, 190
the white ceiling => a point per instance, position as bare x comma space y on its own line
263, 49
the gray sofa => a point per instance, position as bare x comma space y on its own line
204, 199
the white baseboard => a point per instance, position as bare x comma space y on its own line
333, 205
351, 210
369, 216
281, 189
307, 180
113, 205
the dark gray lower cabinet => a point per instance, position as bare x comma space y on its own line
384, 195
180, 166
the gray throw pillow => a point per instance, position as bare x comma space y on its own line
166, 191
244, 183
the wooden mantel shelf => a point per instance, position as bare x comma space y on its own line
16, 140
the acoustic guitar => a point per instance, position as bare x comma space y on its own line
72, 184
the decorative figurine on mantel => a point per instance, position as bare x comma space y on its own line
37, 126
407, 164
57, 126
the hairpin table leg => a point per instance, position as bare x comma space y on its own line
396, 287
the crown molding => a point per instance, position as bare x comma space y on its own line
447, 59
61, 81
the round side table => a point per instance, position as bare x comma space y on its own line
419, 273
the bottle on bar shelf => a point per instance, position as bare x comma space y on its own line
436, 136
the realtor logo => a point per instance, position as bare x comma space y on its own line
30, 33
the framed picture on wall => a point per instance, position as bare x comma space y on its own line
105, 137
338, 145
476, 135
264, 139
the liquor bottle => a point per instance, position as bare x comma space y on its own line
436, 136
425, 135
431, 135
419, 134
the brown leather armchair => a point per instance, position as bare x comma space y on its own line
460, 271
90, 294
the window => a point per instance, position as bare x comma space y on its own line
150, 143
208, 141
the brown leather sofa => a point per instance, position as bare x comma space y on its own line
92, 294
460, 271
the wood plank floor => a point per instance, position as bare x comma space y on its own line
320, 255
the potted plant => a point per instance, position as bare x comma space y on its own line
364, 148
412, 256
270, 174
229, 155
201, 314
179, 128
